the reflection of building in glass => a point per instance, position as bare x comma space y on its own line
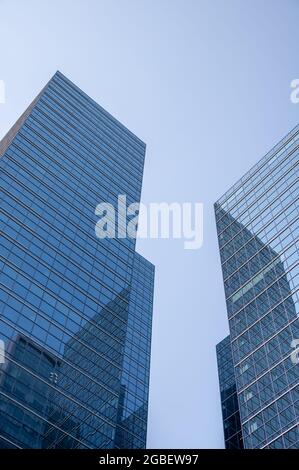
229, 398
29, 375
97, 349
133, 407
76, 311
258, 232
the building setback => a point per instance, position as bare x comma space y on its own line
76, 311
229, 397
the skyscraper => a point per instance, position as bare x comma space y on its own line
258, 233
76, 311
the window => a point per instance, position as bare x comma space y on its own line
252, 427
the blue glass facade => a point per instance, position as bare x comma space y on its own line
229, 398
258, 233
76, 311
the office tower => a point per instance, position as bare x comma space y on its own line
76, 310
258, 233
229, 398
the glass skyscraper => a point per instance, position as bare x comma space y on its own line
258, 233
76, 311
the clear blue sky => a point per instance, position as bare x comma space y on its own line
206, 83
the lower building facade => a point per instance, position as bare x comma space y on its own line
229, 398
